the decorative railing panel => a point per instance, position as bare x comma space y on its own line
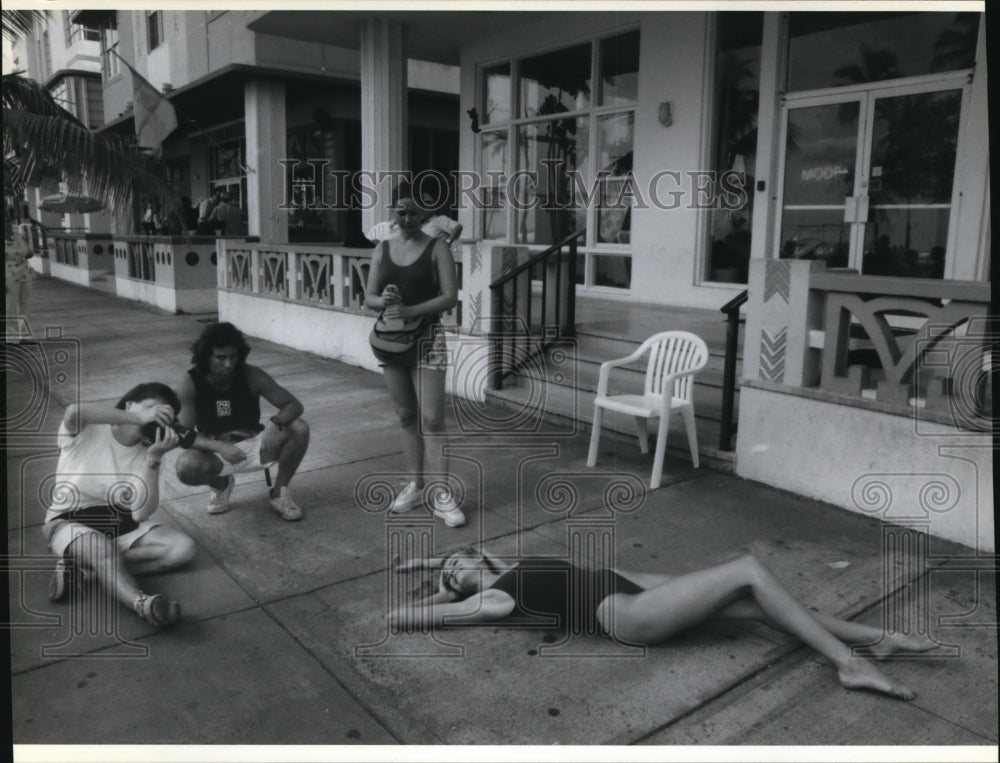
239, 270
904, 342
895, 345
316, 278
141, 260
273, 273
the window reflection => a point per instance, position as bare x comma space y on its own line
556, 82
833, 49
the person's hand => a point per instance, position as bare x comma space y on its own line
166, 439
162, 414
230, 453
390, 296
271, 442
399, 310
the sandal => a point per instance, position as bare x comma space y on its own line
157, 609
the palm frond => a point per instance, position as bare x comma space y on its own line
17, 24
42, 139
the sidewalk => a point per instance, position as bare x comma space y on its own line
283, 639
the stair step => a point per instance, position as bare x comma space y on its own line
557, 404
606, 345
567, 363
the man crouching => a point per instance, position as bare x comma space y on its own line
220, 398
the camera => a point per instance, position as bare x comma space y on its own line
186, 435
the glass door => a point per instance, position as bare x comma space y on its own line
868, 178
819, 189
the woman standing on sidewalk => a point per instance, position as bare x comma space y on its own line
413, 276
643, 608
107, 488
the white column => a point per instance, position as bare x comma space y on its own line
264, 108
772, 67
383, 108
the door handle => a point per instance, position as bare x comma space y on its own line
856, 209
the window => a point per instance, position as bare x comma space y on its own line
76, 32
555, 151
110, 65
832, 49
227, 164
737, 77
154, 28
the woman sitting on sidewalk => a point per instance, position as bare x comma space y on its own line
643, 608
106, 490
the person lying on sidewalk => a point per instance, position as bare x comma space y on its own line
106, 490
220, 397
643, 608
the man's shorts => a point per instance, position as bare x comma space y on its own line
251, 448
61, 532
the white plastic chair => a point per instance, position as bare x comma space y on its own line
674, 358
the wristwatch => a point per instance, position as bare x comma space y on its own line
274, 420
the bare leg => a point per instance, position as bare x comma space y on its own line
430, 388
293, 450
882, 644
160, 550
196, 467
97, 555
404, 396
661, 612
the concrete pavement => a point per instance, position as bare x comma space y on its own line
283, 639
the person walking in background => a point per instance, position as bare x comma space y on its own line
412, 275
205, 209
220, 397
437, 226
107, 488
151, 221
17, 281
227, 217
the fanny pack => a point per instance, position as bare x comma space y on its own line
398, 340
109, 520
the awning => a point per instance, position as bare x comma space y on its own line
62, 202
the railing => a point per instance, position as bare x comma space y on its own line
66, 250
321, 276
514, 325
906, 342
727, 427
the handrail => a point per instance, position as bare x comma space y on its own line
535, 260
727, 427
564, 315
736, 302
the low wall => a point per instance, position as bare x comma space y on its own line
79, 258
173, 273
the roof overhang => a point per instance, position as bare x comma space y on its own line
435, 36
93, 17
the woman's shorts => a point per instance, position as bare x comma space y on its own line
60, 533
436, 356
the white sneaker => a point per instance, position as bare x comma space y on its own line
445, 507
220, 500
285, 505
408, 499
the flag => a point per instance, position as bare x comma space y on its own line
155, 117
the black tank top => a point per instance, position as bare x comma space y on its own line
219, 411
555, 587
417, 282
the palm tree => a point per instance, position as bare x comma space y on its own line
42, 139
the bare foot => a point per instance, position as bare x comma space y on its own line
899, 642
861, 674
